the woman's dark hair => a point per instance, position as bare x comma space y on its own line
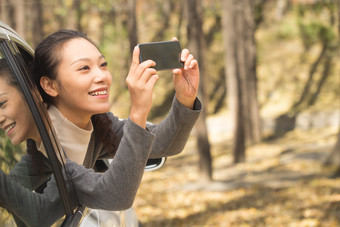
48, 55
6, 73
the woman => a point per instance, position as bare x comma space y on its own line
67, 61
35, 209
18, 123
73, 79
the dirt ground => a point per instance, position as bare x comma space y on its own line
282, 183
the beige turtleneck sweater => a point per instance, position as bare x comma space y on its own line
73, 139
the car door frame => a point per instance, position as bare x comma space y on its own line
10, 45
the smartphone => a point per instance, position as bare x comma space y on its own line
166, 54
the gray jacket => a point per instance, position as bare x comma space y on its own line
117, 187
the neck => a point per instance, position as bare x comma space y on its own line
80, 118
36, 136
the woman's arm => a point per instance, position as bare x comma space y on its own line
173, 132
117, 187
30, 172
31, 208
113, 190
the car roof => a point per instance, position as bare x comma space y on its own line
8, 33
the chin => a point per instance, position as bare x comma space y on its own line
102, 109
15, 142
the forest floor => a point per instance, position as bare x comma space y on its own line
282, 183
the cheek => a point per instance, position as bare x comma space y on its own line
109, 79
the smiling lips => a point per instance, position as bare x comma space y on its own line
9, 128
98, 93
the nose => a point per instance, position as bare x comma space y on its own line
100, 76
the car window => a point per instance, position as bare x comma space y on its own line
26, 144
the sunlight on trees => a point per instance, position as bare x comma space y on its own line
278, 58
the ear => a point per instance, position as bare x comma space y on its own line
49, 86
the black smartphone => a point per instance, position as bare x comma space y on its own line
166, 54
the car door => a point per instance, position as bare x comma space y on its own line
17, 55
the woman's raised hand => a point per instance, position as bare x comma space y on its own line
140, 81
186, 80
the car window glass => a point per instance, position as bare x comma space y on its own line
24, 171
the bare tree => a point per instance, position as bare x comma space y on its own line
239, 39
334, 157
132, 23
4, 10
79, 14
20, 17
37, 22
196, 45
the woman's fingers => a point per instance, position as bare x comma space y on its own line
174, 39
145, 71
141, 74
193, 63
135, 60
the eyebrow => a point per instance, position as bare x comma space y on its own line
3, 94
86, 59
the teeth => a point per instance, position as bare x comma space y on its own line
10, 127
95, 93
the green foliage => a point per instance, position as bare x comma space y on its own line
105, 21
286, 30
314, 32
316, 23
9, 154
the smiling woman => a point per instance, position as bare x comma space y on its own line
82, 86
74, 82
15, 117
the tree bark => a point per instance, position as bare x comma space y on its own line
197, 47
132, 24
306, 90
334, 157
79, 15
20, 18
4, 10
239, 40
338, 17
253, 128
37, 22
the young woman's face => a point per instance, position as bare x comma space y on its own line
15, 117
83, 80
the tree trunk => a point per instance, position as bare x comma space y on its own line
338, 17
306, 90
326, 71
281, 8
165, 8
238, 32
79, 15
334, 157
37, 22
197, 47
20, 18
253, 129
3, 10
132, 24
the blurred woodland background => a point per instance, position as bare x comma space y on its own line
270, 83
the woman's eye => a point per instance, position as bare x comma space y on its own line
104, 64
2, 103
84, 67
